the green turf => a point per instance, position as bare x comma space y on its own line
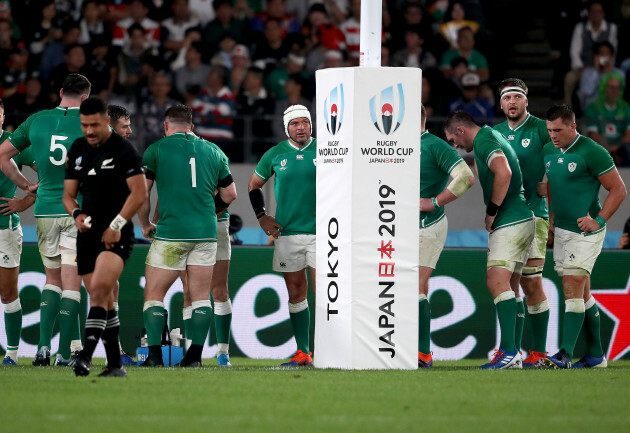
258, 397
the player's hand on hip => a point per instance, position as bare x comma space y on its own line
110, 237
83, 222
542, 189
12, 205
148, 231
32, 189
587, 224
270, 226
489, 222
426, 205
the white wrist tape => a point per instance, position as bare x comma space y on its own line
117, 223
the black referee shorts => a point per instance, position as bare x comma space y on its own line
89, 246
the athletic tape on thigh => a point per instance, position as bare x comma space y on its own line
576, 272
538, 308
52, 287
589, 304
12, 307
201, 304
574, 306
532, 271
505, 264
223, 308
71, 294
504, 297
149, 304
300, 306
52, 262
69, 257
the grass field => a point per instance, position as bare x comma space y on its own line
256, 396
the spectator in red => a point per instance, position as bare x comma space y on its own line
350, 29
138, 11
274, 9
329, 37
215, 107
240, 64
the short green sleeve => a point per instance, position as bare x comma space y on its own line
599, 161
446, 156
264, 169
487, 148
20, 138
148, 159
25, 158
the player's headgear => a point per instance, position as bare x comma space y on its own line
296, 112
513, 85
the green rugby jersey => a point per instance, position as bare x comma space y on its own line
573, 179
187, 172
528, 139
437, 160
295, 185
8, 188
514, 209
50, 133
225, 216
612, 124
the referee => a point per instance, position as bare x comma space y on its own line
107, 171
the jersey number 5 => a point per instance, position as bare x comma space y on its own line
54, 145
193, 172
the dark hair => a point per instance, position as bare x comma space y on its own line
423, 112
598, 45
563, 112
68, 48
218, 3
179, 113
457, 61
76, 85
256, 71
457, 118
465, 29
299, 80
513, 82
1, 104
93, 105
134, 27
222, 71
116, 112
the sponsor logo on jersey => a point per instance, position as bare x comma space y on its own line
560, 160
572, 166
299, 156
333, 109
525, 142
392, 105
92, 172
510, 137
106, 163
283, 164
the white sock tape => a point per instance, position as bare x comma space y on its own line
574, 306
12, 307
71, 294
223, 308
150, 304
422, 297
201, 304
300, 306
589, 304
541, 307
52, 288
504, 296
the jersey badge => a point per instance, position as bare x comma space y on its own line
299, 156
572, 166
106, 163
77, 163
525, 142
283, 164
92, 172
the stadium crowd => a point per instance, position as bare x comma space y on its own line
239, 62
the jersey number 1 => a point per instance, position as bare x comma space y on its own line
54, 145
193, 172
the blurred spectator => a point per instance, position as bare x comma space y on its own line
91, 23
102, 66
337, 9
624, 240
294, 90
333, 59
5, 14
272, 49
317, 15
115, 10
604, 61
255, 103
426, 97
55, 50
385, 56
329, 37
225, 21
202, 10
130, 59
470, 101
23, 104
585, 35
350, 29
7, 42
74, 62
277, 79
240, 63
454, 20
274, 9
413, 55
192, 35
68, 10
608, 118
413, 15
190, 78
153, 108
476, 61
215, 107
226, 46
47, 29
138, 11
173, 31
13, 78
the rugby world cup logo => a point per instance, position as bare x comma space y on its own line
391, 105
333, 109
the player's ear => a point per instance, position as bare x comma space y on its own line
192, 127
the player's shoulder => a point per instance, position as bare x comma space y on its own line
549, 148
502, 127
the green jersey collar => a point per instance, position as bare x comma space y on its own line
423, 133
572, 143
310, 140
67, 108
185, 133
517, 127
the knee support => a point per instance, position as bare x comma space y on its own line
532, 271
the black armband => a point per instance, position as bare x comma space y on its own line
149, 174
492, 209
226, 181
219, 204
76, 213
258, 202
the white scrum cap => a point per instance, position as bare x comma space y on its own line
295, 112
